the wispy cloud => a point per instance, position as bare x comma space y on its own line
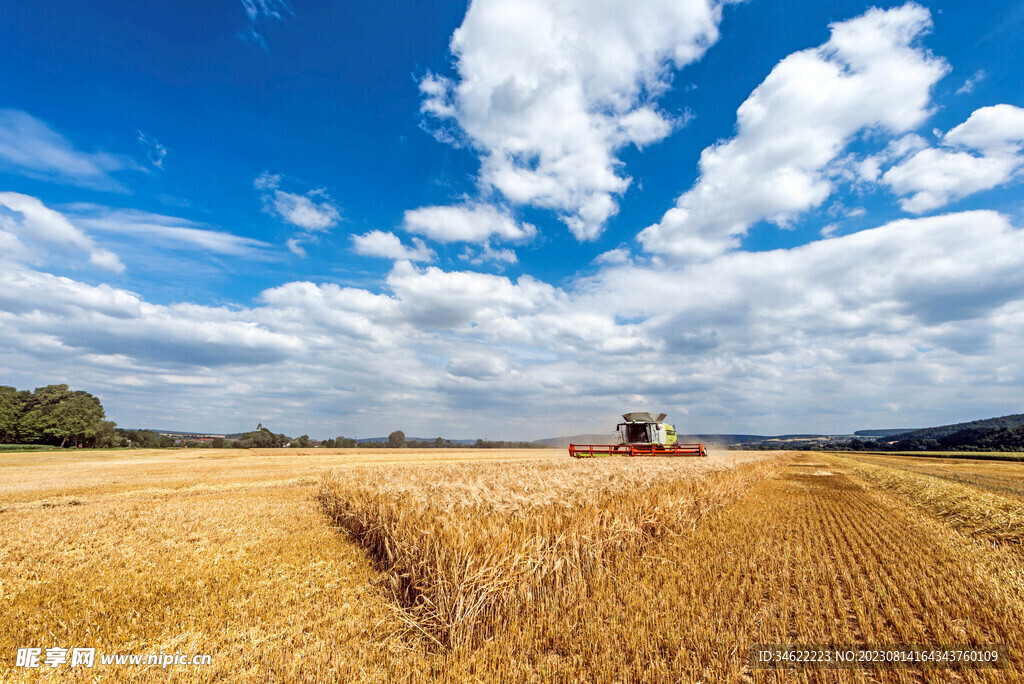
257, 12
28, 146
295, 247
167, 231
30, 231
312, 213
487, 253
975, 79
155, 152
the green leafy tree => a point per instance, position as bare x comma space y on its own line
58, 415
107, 437
261, 438
139, 439
13, 405
396, 439
37, 423
80, 419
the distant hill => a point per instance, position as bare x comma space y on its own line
722, 438
1005, 433
1012, 421
883, 433
415, 439
181, 433
563, 442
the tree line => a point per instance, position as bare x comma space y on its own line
969, 439
263, 438
56, 415
1009, 439
397, 440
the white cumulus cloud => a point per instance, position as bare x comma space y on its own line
548, 92
619, 255
915, 313
306, 211
979, 154
869, 75
466, 223
378, 243
993, 130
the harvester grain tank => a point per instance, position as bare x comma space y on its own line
642, 434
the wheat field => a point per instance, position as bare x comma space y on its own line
502, 566
1001, 477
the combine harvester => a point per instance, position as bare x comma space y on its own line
642, 434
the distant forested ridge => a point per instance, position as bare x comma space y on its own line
1005, 433
883, 433
1013, 421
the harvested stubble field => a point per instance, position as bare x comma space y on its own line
498, 566
1002, 477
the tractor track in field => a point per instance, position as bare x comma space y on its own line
815, 555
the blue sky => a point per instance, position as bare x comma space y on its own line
515, 219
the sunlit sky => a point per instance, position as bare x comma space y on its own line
515, 219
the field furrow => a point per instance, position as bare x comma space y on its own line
807, 557
1003, 477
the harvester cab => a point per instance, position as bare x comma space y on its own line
645, 428
642, 434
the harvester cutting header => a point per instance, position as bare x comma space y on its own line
643, 434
